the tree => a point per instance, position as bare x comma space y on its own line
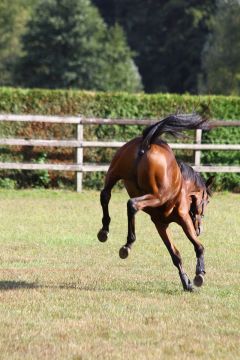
120, 67
168, 37
67, 44
9, 42
13, 17
221, 56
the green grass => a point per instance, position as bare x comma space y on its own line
64, 295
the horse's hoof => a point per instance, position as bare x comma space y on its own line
198, 280
124, 252
189, 287
186, 283
102, 235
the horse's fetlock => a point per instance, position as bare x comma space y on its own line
200, 267
131, 239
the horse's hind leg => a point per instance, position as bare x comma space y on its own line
175, 255
134, 205
105, 197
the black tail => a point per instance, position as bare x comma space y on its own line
174, 125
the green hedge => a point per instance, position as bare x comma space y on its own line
107, 105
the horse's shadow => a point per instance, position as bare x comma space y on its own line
6, 285
15, 285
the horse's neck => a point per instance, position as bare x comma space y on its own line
190, 187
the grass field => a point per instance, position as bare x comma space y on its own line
64, 295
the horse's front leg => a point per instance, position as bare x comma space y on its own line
174, 253
188, 228
131, 236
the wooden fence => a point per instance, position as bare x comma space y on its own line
79, 144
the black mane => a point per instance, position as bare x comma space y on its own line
189, 173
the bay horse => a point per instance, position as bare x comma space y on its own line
168, 190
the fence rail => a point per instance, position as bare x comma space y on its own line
95, 121
79, 144
110, 144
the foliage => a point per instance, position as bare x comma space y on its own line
177, 45
7, 183
42, 178
9, 41
110, 105
221, 56
67, 45
168, 37
120, 71
223, 136
13, 18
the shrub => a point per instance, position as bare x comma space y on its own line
7, 183
111, 105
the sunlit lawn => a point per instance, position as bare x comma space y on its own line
64, 295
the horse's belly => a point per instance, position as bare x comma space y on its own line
132, 189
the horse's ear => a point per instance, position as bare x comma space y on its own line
209, 184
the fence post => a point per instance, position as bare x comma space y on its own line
79, 158
198, 139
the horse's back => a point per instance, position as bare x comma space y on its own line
158, 169
155, 170
124, 163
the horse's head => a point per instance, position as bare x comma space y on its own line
199, 202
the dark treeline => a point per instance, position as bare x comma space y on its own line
168, 37
174, 46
